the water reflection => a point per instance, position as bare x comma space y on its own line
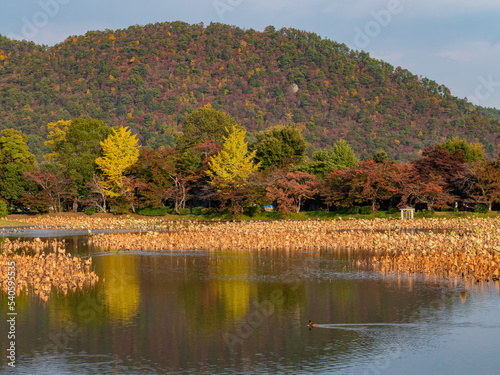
239, 312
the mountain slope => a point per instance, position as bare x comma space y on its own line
151, 77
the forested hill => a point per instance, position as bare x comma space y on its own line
151, 77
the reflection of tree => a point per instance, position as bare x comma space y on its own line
121, 288
223, 299
232, 284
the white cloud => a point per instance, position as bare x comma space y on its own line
471, 51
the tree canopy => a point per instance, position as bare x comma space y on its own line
120, 151
205, 124
280, 145
471, 152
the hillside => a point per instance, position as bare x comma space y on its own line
151, 77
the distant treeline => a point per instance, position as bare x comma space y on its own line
93, 167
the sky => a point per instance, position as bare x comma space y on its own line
453, 42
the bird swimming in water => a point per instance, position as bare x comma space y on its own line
311, 324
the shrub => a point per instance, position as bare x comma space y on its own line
253, 210
197, 210
148, 211
3, 209
392, 210
366, 210
481, 208
90, 211
354, 210
120, 206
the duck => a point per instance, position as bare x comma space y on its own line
311, 324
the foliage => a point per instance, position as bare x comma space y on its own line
353, 210
481, 208
15, 160
471, 152
13, 148
4, 212
366, 210
90, 211
290, 189
280, 146
56, 137
486, 185
380, 156
78, 149
205, 124
413, 187
368, 182
341, 156
437, 164
148, 211
150, 78
55, 187
120, 151
233, 163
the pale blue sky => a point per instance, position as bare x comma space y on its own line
454, 42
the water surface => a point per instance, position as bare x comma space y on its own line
226, 312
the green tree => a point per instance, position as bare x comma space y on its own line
471, 152
205, 124
120, 151
15, 160
76, 147
380, 156
280, 146
340, 156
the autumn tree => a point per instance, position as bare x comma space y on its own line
369, 182
55, 188
412, 188
75, 146
437, 164
486, 186
290, 189
155, 168
120, 151
230, 168
56, 138
233, 163
380, 156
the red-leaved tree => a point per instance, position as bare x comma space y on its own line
290, 189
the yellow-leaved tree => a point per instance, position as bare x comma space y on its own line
56, 137
230, 172
233, 164
120, 151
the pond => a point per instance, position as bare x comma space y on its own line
235, 312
